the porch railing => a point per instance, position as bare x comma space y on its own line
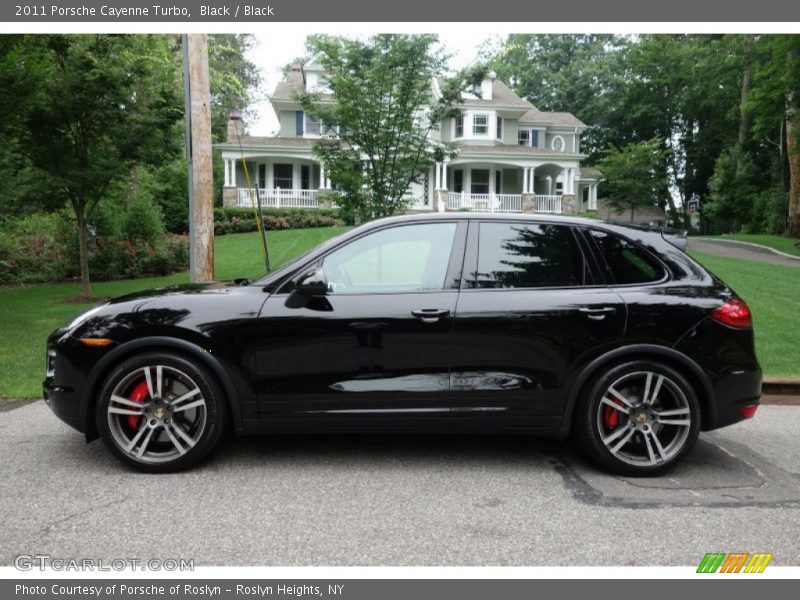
510, 203
547, 204
277, 197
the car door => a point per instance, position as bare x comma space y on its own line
377, 344
529, 311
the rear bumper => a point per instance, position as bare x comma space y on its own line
732, 392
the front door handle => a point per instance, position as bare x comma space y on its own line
430, 315
597, 314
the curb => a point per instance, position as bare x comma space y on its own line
781, 386
727, 241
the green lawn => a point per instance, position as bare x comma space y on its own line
29, 313
773, 294
778, 242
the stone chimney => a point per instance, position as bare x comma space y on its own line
235, 127
486, 85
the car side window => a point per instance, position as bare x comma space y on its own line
528, 255
627, 263
409, 258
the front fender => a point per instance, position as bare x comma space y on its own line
99, 372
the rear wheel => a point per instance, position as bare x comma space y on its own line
640, 418
159, 412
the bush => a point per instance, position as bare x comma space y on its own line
126, 240
241, 220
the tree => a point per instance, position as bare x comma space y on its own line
377, 141
634, 175
234, 78
85, 110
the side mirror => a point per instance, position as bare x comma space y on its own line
311, 284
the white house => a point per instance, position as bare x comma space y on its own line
511, 157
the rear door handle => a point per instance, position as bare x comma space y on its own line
597, 314
430, 315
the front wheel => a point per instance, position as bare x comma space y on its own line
159, 412
640, 419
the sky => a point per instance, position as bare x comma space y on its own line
276, 49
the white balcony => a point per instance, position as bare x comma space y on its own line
277, 198
503, 203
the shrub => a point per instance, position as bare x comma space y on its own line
126, 240
240, 220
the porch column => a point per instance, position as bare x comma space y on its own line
532, 181
437, 176
233, 172
321, 176
225, 163
524, 179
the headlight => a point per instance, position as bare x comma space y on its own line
50, 364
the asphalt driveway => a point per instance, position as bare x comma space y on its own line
362, 500
734, 249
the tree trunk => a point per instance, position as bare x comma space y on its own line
793, 150
744, 118
83, 244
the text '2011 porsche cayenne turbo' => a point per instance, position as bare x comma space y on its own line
450, 322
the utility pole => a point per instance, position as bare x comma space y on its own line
198, 153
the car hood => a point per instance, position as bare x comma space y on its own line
174, 290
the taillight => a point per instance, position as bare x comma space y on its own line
734, 313
748, 411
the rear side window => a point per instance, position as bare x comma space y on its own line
522, 255
626, 262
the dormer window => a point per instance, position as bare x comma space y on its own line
480, 124
524, 137
460, 126
558, 143
313, 125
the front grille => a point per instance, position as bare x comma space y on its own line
50, 364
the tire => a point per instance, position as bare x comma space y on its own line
633, 435
160, 412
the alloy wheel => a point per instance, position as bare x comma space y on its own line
156, 414
644, 419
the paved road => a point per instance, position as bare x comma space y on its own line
743, 251
361, 500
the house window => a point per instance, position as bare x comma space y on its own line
283, 176
535, 138
460, 126
480, 181
480, 124
524, 137
305, 177
313, 125
557, 144
262, 175
499, 128
458, 180
559, 187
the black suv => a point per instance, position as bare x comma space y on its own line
446, 322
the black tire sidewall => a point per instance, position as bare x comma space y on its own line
212, 393
590, 437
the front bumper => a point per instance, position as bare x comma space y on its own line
64, 402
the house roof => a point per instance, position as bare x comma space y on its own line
534, 115
293, 83
502, 95
591, 173
250, 141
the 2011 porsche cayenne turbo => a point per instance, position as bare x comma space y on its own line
449, 322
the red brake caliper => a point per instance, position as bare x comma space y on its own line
139, 394
610, 415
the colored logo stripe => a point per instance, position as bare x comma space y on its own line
734, 562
